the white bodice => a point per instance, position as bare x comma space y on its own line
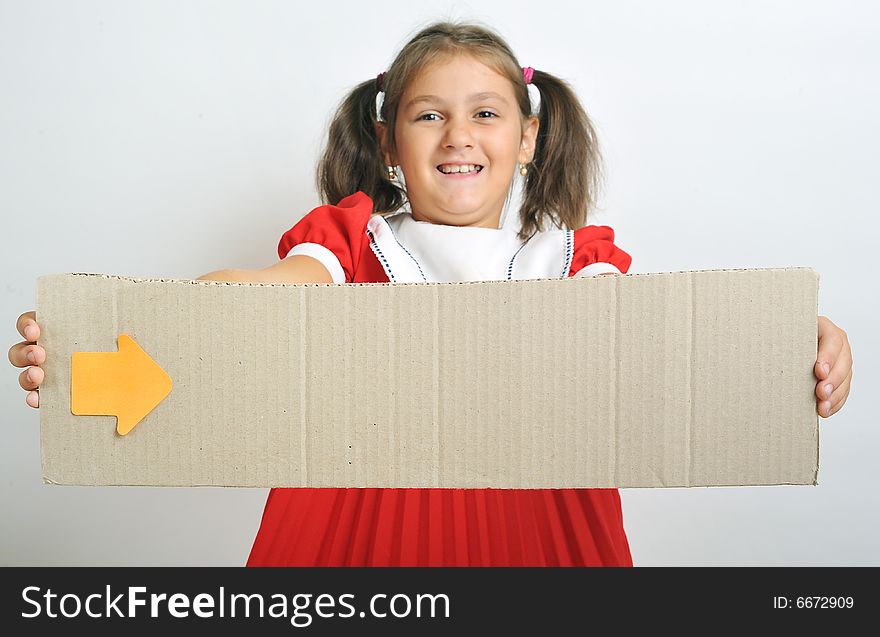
416, 251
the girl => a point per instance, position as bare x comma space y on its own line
439, 160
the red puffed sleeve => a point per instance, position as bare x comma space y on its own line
334, 235
595, 253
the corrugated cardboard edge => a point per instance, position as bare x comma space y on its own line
246, 283
816, 357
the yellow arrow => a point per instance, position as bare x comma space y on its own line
127, 384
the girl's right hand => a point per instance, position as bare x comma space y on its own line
29, 353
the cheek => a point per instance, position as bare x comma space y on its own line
504, 160
410, 154
506, 152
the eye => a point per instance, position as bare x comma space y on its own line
421, 118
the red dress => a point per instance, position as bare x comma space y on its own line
435, 526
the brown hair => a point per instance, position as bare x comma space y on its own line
565, 174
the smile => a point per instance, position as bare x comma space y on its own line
459, 175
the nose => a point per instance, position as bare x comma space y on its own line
459, 134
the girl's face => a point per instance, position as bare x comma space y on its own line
447, 116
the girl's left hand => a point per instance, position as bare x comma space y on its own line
833, 367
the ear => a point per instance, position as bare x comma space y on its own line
529, 140
381, 133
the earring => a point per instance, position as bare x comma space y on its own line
523, 170
392, 173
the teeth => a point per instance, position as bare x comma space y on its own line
458, 168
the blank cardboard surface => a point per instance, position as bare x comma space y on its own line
700, 378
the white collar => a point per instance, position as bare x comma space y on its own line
413, 251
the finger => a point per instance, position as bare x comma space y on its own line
24, 354
840, 370
33, 399
840, 405
829, 406
831, 342
838, 398
31, 378
27, 326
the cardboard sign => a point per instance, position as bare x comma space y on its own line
696, 378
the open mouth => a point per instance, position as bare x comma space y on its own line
461, 175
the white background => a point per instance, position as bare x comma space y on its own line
170, 139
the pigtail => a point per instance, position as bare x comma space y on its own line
352, 159
564, 177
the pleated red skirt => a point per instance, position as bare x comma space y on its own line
441, 527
